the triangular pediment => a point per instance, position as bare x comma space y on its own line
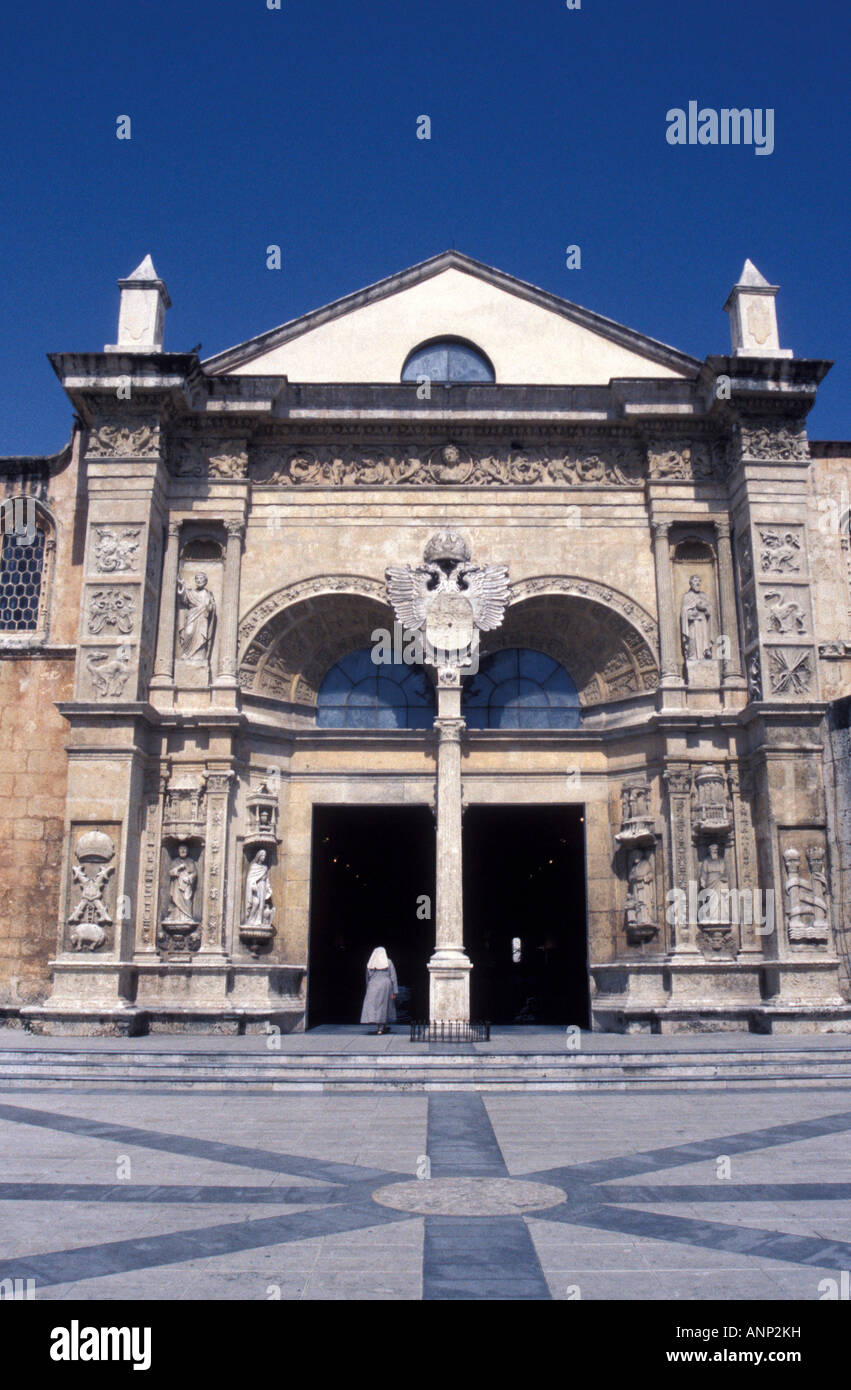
531, 337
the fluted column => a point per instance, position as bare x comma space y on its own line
726, 590
163, 675
670, 674
230, 605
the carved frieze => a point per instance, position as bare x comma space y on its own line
680, 459
222, 458
113, 439
774, 440
586, 462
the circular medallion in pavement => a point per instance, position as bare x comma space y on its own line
468, 1196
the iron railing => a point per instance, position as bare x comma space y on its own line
450, 1031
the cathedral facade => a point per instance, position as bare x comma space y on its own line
237, 758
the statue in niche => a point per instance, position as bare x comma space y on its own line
639, 898
695, 621
258, 893
199, 626
714, 889
183, 877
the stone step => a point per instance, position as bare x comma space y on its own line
98, 1070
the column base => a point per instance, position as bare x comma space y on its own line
449, 985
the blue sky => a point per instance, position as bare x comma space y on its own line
297, 126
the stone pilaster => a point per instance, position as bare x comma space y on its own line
670, 667
163, 677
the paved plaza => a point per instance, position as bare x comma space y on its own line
631, 1195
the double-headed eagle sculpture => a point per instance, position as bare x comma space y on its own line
447, 599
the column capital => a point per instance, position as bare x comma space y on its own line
173, 529
722, 527
450, 727
660, 529
234, 528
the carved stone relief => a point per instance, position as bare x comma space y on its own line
785, 610
111, 609
223, 458
91, 896
773, 440
121, 440
687, 459
108, 670
781, 549
587, 461
806, 899
790, 670
116, 549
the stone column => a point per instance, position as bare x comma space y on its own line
729, 622
163, 676
449, 967
670, 674
230, 607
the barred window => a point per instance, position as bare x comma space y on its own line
21, 577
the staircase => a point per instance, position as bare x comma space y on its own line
80, 1065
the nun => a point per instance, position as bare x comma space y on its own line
380, 992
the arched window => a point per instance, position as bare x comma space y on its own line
520, 689
358, 694
448, 359
24, 541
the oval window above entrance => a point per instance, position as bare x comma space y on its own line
520, 689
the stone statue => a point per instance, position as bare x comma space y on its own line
183, 877
199, 626
639, 899
806, 898
714, 889
695, 620
258, 892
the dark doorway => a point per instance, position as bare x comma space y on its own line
371, 869
524, 914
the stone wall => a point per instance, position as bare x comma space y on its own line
32, 805
838, 781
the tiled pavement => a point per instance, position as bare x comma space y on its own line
208, 1196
